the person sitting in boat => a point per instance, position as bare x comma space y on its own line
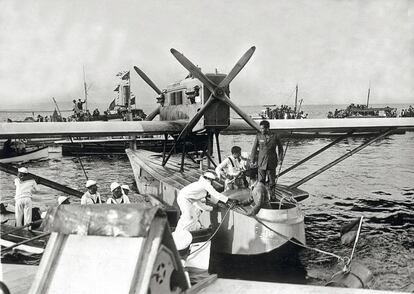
125, 189
118, 196
96, 112
7, 148
92, 196
231, 169
259, 195
25, 186
190, 198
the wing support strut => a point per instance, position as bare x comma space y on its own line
343, 157
337, 140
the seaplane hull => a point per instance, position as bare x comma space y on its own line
30, 155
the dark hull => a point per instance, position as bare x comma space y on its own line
279, 265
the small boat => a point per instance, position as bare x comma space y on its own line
29, 154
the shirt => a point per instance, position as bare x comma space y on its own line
233, 166
198, 190
24, 188
123, 199
267, 157
89, 198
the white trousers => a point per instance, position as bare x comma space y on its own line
23, 211
189, 215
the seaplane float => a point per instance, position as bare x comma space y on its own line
198, 108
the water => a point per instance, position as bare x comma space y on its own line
377, 183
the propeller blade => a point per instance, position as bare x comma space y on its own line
147, 80
153, 114
240, 112
194, 70
237, 67
194, 120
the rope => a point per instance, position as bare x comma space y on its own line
356, 239
215, 232
297, 243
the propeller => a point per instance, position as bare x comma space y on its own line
156, 111
217, 91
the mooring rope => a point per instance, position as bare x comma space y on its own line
299, 244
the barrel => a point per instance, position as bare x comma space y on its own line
358, 276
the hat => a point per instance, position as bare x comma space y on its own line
23, 170
209, 175
90, 183
62, 199
125, 187
182, 239
114, 185
245, 155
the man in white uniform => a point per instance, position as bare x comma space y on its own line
92, 196
25, 186
118, 196
190, 201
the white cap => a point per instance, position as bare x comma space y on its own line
62, 199
114, 185
209, 175
125, 187
90, 183
182, 239
23, 170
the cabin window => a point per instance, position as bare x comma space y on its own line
172, 98
179, 98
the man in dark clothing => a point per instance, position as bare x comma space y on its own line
259, 196
268, 157
80, 104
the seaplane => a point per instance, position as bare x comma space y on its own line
198, 108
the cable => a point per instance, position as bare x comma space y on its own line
215, 232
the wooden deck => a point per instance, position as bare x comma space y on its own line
171, 175
17, 277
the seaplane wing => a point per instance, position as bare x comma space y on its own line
89, 129
327, 125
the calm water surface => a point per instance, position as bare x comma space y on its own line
377, 183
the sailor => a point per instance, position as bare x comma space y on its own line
190, 201
125, 189
231, 169
259, 196
92, 196
268, 157
25, 186
118, 196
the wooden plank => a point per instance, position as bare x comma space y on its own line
18, 278
242, 286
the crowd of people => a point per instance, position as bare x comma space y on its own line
409, 112
282, 112
362, 110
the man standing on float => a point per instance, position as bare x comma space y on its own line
268, 157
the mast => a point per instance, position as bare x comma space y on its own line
369, 90
296, 100
85, 88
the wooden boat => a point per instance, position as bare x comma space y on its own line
239, 235
30, 154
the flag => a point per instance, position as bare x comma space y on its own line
125, 76
112, 105
349, 231
116, 89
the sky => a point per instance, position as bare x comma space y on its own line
334, 50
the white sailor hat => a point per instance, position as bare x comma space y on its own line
114, 185
209, 175
90, 183
23, 170
125, 187
62, 199
182, 239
